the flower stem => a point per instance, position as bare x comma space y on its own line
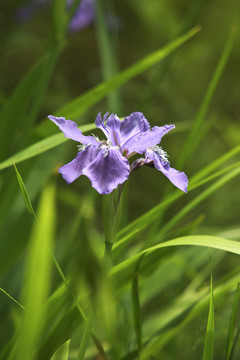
111, 217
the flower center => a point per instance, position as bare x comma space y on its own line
163, 155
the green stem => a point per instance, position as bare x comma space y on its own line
111, 217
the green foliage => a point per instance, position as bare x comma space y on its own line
209, 339
148, 297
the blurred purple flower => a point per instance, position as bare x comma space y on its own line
83, 17
106, 163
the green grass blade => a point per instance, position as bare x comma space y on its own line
201, 302
107, 54
126, 267
37, 279
12, 298
17, 103
215, 164
86, 335
25, 196
29, 92
79, 105
198, 199
40, 147
136, 306
234, 343
209, 339
132, 229
62, 353
233, 322
59, 19
192, 141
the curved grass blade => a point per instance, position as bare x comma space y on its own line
62, 352
37, 279
192, 141
126, 267
209, 339
232, 323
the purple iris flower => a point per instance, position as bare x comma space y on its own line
106, 162
83, 17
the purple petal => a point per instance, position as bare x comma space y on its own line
71, 131
99, 122
107, 171
145, 140
179, 179
84, 15
74, 169
113, 124
133, 125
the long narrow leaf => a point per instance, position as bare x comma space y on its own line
86, 335
233, 322
197, 200
126, 267
62, 352
25, 196
132, 229
37, 279
75, 108
137, 308
209, 339
40, 147
78, 106
192, 141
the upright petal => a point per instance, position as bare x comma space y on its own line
108, 170
71, 131
145, 140
113, 124
99, 122
177, 178
133, 125
74, 169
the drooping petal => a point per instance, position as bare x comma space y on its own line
177, 178
113, 124
74, 169
99, 122
71, 130
133, 125
145, 140
108, 170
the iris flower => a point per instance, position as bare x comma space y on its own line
83, 17
106, 162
